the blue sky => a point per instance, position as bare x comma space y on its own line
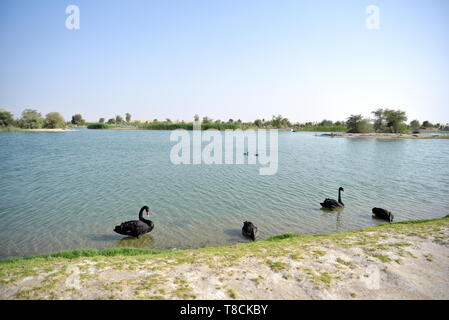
240, 59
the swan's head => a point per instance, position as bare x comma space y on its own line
147, 210
341, 189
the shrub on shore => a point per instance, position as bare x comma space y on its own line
54, 120
31, 119
333, 128
98, 126
6, 118
189, 126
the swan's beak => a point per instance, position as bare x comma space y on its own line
148, 212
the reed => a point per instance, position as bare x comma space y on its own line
322, 128
98, 126
189, 126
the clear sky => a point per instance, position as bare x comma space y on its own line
247, 59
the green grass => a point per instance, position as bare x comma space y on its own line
276, 266
11, 129
326, 278
282, 236
73, 254
382, 257
346, 263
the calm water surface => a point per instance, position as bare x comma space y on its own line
63, 191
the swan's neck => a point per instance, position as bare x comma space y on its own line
339, 197
141, 218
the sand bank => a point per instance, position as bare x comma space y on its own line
386, 136
392, 261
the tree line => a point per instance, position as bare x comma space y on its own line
33, 119
388, 121
383, 121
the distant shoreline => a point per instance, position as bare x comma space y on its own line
385, 136
35, 130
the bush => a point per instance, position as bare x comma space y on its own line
189, 126
31, 119
365, 126
98, 126
54, 120
6, 118
77, 120
335, 128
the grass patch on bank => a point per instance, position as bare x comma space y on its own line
73, 254
185, 256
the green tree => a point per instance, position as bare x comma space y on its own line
31, 119
54, 120
230, 121
258, 123
101, 120
396, 120
379, 122
6, 118
326, 123
427, 124
77, 120
118, 119
168, 120
128, 117
111, 121
207, 120
196, 118
415, 124
364, 126
276, 121
353, 122
155, 120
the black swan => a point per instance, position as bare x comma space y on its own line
331, 203
135, 228
249, 230
383, 214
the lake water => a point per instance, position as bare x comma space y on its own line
68, 190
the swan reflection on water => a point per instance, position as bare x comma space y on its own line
337, 212
143, 242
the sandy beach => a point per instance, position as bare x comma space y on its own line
393, 261
49, 130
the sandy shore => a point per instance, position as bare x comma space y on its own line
393, 261
49, 130
387, 136
9, 129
